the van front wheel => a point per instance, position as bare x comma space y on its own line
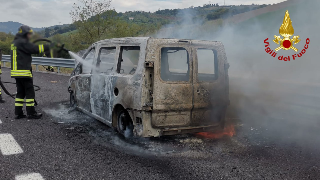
72, 100
125, 125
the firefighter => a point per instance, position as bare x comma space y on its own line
21, 70
1, 100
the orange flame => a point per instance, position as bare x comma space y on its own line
228, 131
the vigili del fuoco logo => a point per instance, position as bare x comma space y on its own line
286, 43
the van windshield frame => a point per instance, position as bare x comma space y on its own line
89, 61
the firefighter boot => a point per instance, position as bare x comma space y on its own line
1, 100
18, 111
32, 113
20, 116
35, 116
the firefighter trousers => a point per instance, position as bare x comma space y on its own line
25, 90
0, 72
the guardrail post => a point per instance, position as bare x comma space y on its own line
58, 70
4, 63
37, 67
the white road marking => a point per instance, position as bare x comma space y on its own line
31, 176
0, 121
8, 145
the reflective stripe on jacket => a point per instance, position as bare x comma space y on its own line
0, 62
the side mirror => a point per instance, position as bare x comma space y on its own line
77, 70
110, 70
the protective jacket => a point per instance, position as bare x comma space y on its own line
21, 51
0, 62
1, 101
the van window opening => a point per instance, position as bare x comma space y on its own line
128, 59
175, 64
207, 65
87, 65
106, 59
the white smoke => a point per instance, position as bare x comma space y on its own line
266, 92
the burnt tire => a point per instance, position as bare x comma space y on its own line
72, 100
124, 124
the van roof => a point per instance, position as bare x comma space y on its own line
145, 39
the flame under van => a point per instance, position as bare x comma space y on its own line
151, 87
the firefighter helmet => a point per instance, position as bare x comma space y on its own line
24, 29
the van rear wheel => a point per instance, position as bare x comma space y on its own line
124, 125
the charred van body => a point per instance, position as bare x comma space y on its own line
153, 87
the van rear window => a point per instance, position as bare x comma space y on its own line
207, 65
175, 64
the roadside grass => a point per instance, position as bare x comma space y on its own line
66, 71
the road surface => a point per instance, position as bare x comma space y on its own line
74, 146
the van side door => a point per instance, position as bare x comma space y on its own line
83, 89
102, 85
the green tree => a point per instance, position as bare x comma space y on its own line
5, 42
47, 32
93, 19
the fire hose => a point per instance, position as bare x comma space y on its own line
37, 88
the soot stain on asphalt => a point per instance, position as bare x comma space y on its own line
81, 126
80, 123
172, 146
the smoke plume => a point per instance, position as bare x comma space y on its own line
281, 97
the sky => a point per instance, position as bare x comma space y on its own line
44, 13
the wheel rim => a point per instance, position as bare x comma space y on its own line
122, 123
125, 126
72, 100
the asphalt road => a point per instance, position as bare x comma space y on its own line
74, 146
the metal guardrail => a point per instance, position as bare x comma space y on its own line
55, 62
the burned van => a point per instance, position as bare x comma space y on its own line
153, 87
